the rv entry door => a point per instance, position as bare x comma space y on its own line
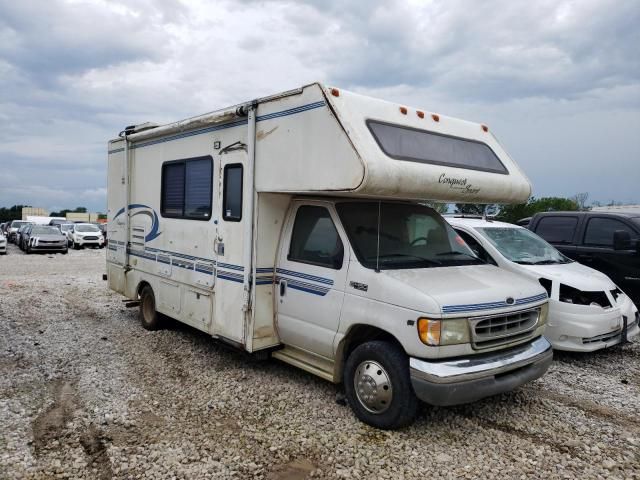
310, 276
229, 317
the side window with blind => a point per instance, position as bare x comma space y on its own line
232, 193
187, 188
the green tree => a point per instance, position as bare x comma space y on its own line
473, 208
11, 213
513, 213
441, 208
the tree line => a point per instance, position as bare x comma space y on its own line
15, 212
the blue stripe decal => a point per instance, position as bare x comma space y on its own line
491, 305
269, 116
233, 279
230, 266
307, 290
291, 273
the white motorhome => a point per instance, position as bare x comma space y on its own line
292, 226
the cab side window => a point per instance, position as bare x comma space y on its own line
600, 231
475, 246
558, 229
315, 239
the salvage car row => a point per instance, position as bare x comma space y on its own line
587, 310
56, 237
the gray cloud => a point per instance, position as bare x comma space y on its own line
558, 81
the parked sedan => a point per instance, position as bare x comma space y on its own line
587, 311
13, 228
44, 238
18, 240
3, 243
85, 235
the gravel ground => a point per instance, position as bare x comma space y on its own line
85, 392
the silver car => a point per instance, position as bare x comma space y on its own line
44, 238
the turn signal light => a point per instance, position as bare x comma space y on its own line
420, 114
335, 92
436, 117
429, 331
485, 128
403, 110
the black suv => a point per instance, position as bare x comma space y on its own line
606, 241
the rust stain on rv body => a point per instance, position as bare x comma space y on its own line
261, 134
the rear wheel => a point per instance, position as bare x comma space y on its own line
149, 318
378, 387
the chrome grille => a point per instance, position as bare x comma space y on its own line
494, 330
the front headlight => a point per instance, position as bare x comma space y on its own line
443, 332
544, 313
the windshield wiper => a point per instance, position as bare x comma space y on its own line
459, 253
546, 262
422, 259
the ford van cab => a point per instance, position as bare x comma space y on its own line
293, 227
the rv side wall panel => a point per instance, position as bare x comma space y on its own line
301, 147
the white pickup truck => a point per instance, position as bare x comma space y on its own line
292, 226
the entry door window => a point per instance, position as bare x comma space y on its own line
315, 239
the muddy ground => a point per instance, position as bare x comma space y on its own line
85, 392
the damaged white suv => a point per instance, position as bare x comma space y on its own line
587, 311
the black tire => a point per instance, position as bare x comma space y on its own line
401, 409
75, 245
149, 317
65, 251
27, 249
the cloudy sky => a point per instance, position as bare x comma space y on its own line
557, 81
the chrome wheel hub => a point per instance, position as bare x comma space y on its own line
373, 387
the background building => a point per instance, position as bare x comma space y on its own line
34, 212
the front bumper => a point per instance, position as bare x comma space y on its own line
580, 328
465, 380
47, 248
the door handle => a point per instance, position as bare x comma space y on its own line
283, 287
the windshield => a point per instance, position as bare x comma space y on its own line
65, 227
522, 246
45, 230
87, 228
17, 224
410, 236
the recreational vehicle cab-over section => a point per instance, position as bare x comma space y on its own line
293, 225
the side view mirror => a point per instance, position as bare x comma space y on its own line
621, 240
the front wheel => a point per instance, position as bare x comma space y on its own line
378, 387
149, 318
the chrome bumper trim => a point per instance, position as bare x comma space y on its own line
480, 366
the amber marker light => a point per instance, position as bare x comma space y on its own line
403, 110
436, 117
335, 92
420, 114
429, 331
485, 128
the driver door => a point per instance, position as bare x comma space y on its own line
311, 276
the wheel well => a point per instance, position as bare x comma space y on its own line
141, 285
357, 335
